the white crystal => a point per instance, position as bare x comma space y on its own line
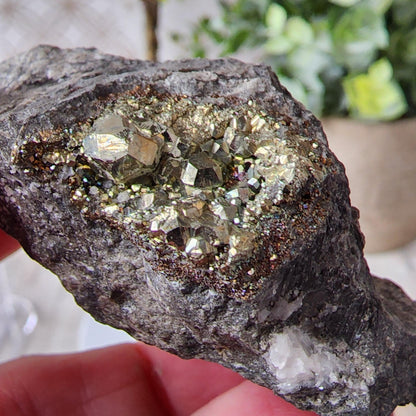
298, 361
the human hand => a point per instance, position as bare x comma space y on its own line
131, 379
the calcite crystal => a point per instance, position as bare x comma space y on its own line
196, 205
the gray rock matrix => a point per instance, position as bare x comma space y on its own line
298, 313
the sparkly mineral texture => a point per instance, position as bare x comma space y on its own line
196, 205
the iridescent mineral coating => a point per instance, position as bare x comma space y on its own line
194, 178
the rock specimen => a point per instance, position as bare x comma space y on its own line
196, 205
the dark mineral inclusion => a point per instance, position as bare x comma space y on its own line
197, 206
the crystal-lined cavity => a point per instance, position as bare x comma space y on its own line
197, 178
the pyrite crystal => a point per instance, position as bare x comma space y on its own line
196, 205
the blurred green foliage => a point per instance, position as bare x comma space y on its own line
352, 58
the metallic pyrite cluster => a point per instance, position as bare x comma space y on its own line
195, 176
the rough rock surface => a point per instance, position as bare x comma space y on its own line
196, 205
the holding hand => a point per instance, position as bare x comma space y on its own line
131, 379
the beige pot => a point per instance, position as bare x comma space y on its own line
380, 161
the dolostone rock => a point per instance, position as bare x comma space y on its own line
196, 205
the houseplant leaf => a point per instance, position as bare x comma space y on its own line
357, 36
276, 17
299, 30
375, 95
